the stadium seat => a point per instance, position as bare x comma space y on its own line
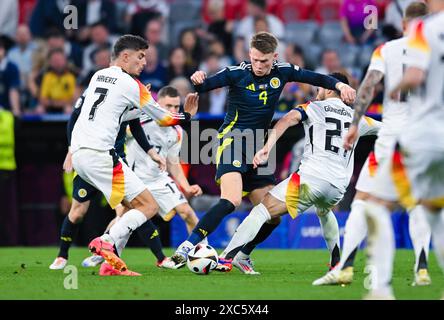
348, 54
327, 10
302, 33
185, 10
312, 54
330, 34
296, 10
365, 55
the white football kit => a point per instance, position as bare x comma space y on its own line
416, 169
167, 141
326, 167
111, 94
390, 59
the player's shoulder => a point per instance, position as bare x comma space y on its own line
242, 67
285, 66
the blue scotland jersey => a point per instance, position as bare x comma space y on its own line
251, 99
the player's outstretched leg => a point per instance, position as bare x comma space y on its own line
355, 233
381, 250
69, 229
231, 197
420, 234
330, 231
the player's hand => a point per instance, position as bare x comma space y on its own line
161, 162
191, 103
261, 157
148, 86
395, 95
198, 77
194, 190
351, 137
67, 164
348, 94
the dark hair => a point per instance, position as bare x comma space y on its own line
99, 23
168, 91
259, 3
265, 42
415, 10
2, 44
340, 76
130, 42
54, 33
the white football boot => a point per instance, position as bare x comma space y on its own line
244, 264
422, 278
167, 263
92, 261
181, 254
58, 264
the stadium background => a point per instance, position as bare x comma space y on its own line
47, 67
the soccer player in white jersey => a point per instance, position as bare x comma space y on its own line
111, 93
388, 62
322, 178
415, 171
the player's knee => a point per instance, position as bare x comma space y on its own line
187, 214
76, 214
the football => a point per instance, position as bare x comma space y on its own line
202, 259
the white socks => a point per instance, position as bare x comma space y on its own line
249, 228
381, 246
436, 222
126, 225
420, 233
330, 230
355, 230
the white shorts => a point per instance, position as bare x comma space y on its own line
109, 174
167, 195
301, 192
409, 175
384, 147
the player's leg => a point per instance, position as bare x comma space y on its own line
420, 234
256, 196
68, 231
330, 232
231, 197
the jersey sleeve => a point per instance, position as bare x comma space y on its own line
377, 60
221, 79
143, 99
297, 74
369, 126
139, 135
174, 151
418, 47
302, 108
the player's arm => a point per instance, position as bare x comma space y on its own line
144, 100
174, 168
292, 118
418, 56
140, 137
203, 84
348, 94
366, 91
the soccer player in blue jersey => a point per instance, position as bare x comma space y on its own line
254, 90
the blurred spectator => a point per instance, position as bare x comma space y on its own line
177, 65
21, 54
191, 45
352, 21
102, 59
330, 62
100, 37
183, 85
154, 71
394, 14
139, 12
219, 28
57, 91
93, 11
153, 33
26, 7
9, 83
257, 9
9, 15
47, 15
217, 47
213, 101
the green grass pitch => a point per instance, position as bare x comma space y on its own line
285, 274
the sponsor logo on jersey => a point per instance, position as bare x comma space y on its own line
251, 87
82, 193
237, 163
275, 83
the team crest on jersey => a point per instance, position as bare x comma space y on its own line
237, 163
275, 83
82, 193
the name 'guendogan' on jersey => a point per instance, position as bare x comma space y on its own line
252, 99
110, 95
